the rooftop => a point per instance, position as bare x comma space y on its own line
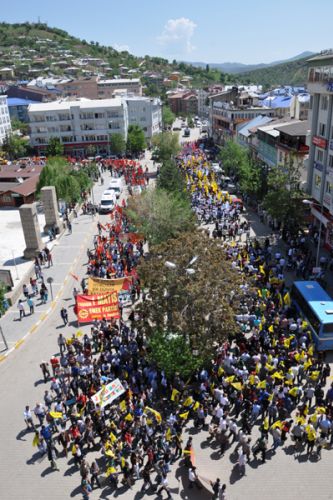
118, 80
295, 129
64, 105
256, 122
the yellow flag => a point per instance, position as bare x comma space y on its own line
230, 379
293, 392
110, 470
122, 405
286, 299
237, 385
110, 453
196, 405
79, 334
129, 417
310, 350
168, 434
262, 270
35, 440
174, 395
156, 413
286, 343
278, 375
184, 415
314, 375
56, 414
112, 437
271, 329
321, 409
278, 424
123, 462
220, 371
266, 424
307, 364
262, 384
252, 379
188, 401
259, 293
301, 420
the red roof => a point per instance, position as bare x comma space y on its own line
24, 188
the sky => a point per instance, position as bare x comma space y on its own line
246, 31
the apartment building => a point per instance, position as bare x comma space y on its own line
5, 126
145, 112
106, 88
78, 123
320, 167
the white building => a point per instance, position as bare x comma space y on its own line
106, 88
320, 167
78, 123
5, 127
145, 112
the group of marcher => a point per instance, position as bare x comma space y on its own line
264, 386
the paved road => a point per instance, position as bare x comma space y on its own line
22, 477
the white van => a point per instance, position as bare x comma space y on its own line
108, 202
116, 185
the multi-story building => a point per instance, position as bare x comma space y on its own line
183, 102
18, 108
145, 112
231, 108
82, 87
106, 88
320, 167
78, 123
5, 127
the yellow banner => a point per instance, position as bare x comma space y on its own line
101, 285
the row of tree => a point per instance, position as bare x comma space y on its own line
188, 284
278, 188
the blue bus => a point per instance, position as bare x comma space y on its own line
311, 300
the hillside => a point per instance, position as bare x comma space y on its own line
237, 67
35, 49
288, 73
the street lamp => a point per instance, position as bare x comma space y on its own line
50, 281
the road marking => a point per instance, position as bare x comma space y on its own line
19, 343
43, 316
33, 329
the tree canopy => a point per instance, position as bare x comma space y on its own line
167, 145
160, 215
68, 181
170, 178
55, 147
136, 141
15, 146
168, 117
117, 144
195, 298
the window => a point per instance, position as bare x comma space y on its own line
330, 161
322, 129
317, 181
324, 102
328, 187
320, 155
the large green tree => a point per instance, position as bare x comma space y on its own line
167, 145
55, 147
233, 157
170, 178
168, 117
284, 199
117, 144
191, 290
15, 146
160, 215
68, 181
136, 141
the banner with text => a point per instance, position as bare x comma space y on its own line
91, 307
108, 393
102, 285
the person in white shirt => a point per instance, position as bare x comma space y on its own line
28, 418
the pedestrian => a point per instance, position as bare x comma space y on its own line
49, 259
86, 488
216, 486
241, 462
52, 455
94, 473
222, 495
31, 305
61, 343
164, 485
28, 418
21, 309
25, 291
44, 366
69, 227
193, 478
64, 315
39, 411
146, 479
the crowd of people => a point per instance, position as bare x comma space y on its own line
263, 387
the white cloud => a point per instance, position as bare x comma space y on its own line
177, 35
121, 47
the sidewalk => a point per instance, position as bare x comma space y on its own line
67, 252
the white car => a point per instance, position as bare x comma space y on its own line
116, 185
108, 202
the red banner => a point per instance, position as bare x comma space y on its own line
91, 307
